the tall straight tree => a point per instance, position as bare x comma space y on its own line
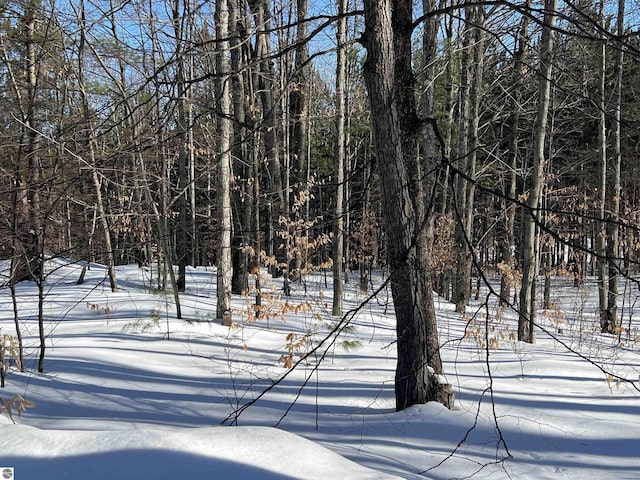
508, 241
26, 261
340, 158
601, 229
27, 221
299, 117
181, 16
527, 307
91, 149
225, 133
397, 131
613, 240
470, 91
241, 197
265, 85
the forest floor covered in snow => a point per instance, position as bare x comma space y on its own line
129, 390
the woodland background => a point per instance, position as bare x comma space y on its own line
249, 134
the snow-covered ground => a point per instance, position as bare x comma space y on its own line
131, 392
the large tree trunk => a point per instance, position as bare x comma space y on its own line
390, 83
526, 320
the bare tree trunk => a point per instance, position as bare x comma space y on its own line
445, 277
298, 122
225, 133
430, 56
471, 79
262, 50
285, 234
102, 215
180, 18
338, 225
527, 309
390, 82
242, 198
507, 244
161, 208
91, 146
544, 254
601, 232
461, 287
130, 128
27, 262
450, 102
16, 320
32, 133
613, 249
365, 257
252, 81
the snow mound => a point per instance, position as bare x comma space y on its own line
214, 452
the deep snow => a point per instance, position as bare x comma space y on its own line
130, 391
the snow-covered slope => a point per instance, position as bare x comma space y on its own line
129, 391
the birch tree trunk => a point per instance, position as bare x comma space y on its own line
526, 319
225, 132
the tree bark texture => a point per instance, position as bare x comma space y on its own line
613, 240
225, 132
526, 320
338, 225
471, 79
180, 17
265, 87
508, 241
27, 264
91, 147
242, 198
601, 229
396, 126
